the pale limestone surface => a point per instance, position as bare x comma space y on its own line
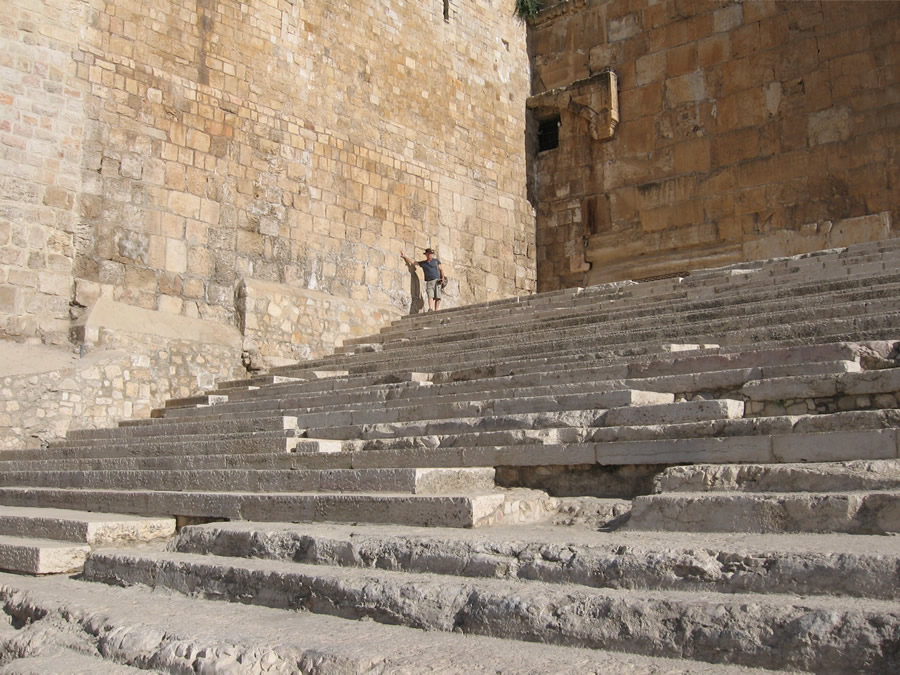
195, 635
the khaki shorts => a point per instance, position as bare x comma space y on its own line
433, 289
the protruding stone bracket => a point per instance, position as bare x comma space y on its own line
594, 100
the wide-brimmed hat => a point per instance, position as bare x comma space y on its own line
429, 250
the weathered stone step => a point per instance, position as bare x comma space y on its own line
363, 427
818, 266
869, 435
334, 385
771, 631
28, 555
862, 512
806, 477
175, 445
541, 380
852, 565
771, 331
488, 391
83, 527
868, 383
468, 510
716, 283
186, 427
614, 315
632, 314
410, 481
191, 634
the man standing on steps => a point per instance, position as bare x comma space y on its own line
434, 277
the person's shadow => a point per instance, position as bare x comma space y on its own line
417, 304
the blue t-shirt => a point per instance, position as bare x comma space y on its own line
430, 267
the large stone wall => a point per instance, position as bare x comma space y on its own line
166, 154
746, 130
180, 147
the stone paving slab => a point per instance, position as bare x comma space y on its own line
852, 565
861, 512
805, 477
632, 314
462, 510
254, 442
494, 389
195, 635
82, 526
398, 480
767, 630
186, 427
41, 556
634, 318
771, 332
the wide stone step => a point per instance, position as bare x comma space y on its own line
856, 566
868, 435
862, 512
259, 424
639, 297
771, 332
84, 527
411, 481
41, 556
721, 312
807, 386
191, 634
615, 316
461, 510
669, 413
807, 477
234, 444
538, 384
774, 631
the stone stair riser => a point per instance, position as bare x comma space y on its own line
772, 633
612, 565
411, 481
851, 513
426, 511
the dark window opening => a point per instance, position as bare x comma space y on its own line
548, 134
447, 10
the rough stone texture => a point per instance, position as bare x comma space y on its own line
746, 131
128, 376
259, 164
254, 142
68, 617
762, 630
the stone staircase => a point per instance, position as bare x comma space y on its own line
685, 475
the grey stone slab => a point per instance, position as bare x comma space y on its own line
836, 446
82, 526
41, 556
849, 565
196, 635
411, 480
674, 413
469, 510
646, 622
806, 477
719, 450
876, 512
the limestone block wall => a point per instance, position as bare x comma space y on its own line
180, 147
272, 315
164, 154
45, 392
746, 130
42, 126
